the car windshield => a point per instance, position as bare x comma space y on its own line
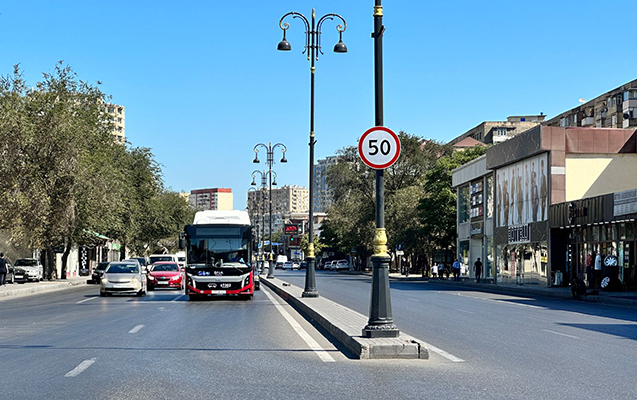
122, 269
160, 258
165, 268
101, 266
26, 263
141, 260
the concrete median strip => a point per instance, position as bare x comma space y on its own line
16, 289
346, 325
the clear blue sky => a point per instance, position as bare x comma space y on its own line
202, 81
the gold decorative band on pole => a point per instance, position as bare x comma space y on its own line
311, 134
310, 250
378, 11
380, 243
312, 69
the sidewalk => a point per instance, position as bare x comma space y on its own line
21, 289
346, 325
612, 298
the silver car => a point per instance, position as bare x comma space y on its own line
27, 269
123, 277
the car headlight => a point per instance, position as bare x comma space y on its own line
246, 282
104, 279
151, 278
135, 279
174, 278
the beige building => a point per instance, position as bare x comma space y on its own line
118, 114
211, 199
494, 132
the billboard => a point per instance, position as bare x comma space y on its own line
522, 192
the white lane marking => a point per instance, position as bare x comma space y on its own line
136, 329
162, 308
561, 334
85, 300
80, 368
323, 355
443, 353
464, 311
177, 298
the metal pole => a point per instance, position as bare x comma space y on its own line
271, 268
310, 274
381, 323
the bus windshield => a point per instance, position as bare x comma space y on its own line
217, 251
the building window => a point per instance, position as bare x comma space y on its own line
613, 123
463, 204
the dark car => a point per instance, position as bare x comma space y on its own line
142, 261
98, 272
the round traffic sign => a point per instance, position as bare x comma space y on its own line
379, 147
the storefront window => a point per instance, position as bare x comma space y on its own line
630, 229
463, 256
488, 244
596, 234
602, 233
463, 204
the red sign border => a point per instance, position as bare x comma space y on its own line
360, 147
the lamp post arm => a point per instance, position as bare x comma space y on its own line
285, 26
340, 28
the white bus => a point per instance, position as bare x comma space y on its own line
218, 249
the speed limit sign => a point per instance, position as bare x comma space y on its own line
379, 147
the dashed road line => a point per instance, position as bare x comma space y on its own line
136, 329
323, 355
80, 368
561, 334
464, 311
85, 300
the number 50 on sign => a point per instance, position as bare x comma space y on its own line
379, 147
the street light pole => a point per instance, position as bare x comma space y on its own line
254, 216
269, 148
381, 323
313, 48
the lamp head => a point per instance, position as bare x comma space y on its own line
253, 183
340, 47
256, 160
284, 160
284, 45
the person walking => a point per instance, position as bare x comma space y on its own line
598, 270
456, 270
434, 270
4, 268
478, 268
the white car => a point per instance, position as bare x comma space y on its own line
123, 277
288, 265
27, 269
339, 265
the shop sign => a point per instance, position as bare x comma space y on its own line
625, 203
519, 234
575, 212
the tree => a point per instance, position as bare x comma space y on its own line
437, 208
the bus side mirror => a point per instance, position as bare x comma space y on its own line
181, 241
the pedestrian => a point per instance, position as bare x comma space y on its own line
4, 268
589, 271
434, 270
456, 270
478, 268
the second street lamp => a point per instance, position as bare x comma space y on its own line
270, 161
313, 48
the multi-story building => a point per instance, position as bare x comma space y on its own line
118, 115
616, 108
494, 132
211, 199
322, 192
285, 200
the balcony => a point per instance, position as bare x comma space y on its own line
588, 121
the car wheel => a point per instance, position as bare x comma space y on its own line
102, 294
193, 297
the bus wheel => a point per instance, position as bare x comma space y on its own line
193, 297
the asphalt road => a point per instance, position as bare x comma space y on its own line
72, 344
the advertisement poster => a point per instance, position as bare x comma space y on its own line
522, 192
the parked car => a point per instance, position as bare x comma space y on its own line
98, 272
165, 274
278, 265
340, 265
288, 265
123, 277
332, 265
27, 269
303, 265
153, 258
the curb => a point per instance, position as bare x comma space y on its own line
39, 287
345, 326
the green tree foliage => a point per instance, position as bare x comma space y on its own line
351, 222
437, 208
64, 177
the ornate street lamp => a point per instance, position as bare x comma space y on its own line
269, 148
313, 48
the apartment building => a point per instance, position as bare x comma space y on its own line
118, 114
211, 199
322, 195
616, 108
494, 132
285, 200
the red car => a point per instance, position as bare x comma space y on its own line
165, 274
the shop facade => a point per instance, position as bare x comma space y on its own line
525, 177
